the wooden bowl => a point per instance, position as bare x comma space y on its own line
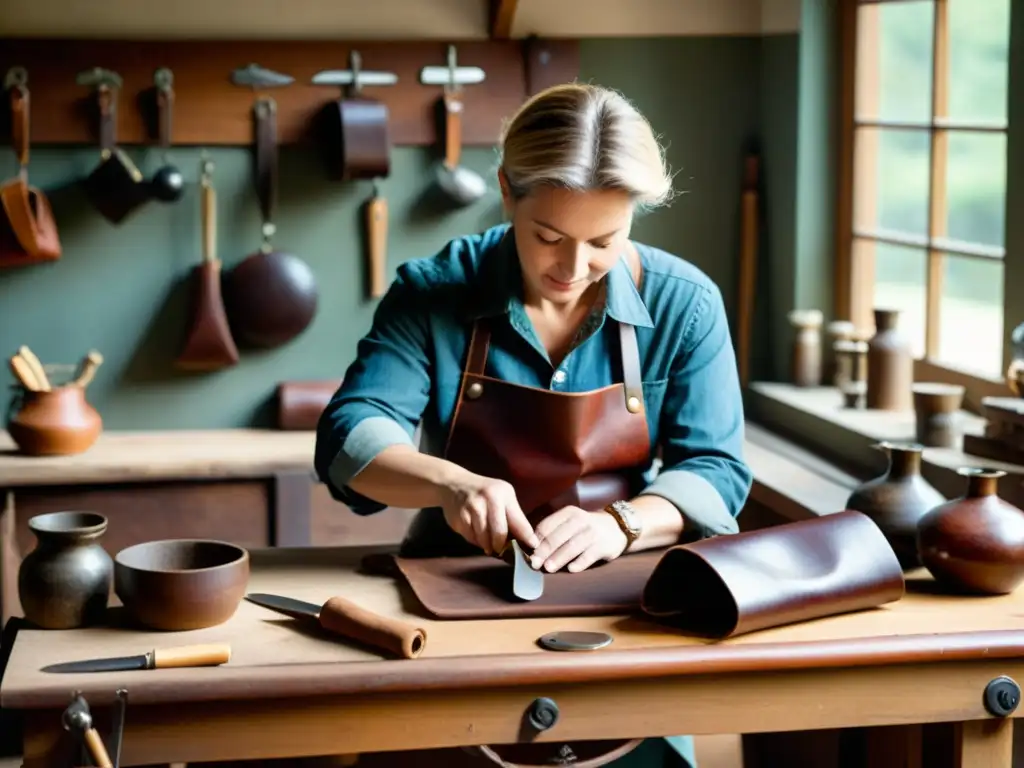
181, 584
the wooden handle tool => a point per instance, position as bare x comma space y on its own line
42, 380
452, 129
23, 373
377, 243
204, 655
90, 365
97, 750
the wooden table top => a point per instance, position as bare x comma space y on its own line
272, 657
165, 455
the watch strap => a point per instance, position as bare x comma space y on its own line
619, 510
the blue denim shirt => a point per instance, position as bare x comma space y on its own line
407, 370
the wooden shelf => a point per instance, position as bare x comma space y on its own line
209, 110
438, 20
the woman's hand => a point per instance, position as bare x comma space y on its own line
485, 512
577, 538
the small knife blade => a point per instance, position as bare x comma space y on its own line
206, 655
297, 609
527, 583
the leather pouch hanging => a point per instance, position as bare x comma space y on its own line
116, 187
730, 585
300, 403
28, 231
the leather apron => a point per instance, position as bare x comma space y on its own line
585, 449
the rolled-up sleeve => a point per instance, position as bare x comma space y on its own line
702, 426
382, 397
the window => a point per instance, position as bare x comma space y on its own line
922, 202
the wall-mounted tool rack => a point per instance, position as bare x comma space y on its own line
210, 109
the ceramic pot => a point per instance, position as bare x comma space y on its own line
65, 581
55, 423
975, 543
806, 362
937, 410
897, 499
890, 365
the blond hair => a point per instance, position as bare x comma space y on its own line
584, 137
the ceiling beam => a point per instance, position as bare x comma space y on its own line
503, 13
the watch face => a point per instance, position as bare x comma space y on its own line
629, 516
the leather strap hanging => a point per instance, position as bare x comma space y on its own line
28, 232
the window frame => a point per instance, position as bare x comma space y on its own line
854, 278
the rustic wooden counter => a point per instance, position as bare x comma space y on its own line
905, 663
124, 457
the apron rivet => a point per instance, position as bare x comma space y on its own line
633, 404
474, 390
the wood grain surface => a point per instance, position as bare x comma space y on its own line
273, 656
210, 110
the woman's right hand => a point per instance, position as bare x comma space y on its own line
485, 512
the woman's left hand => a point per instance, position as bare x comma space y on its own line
576, 538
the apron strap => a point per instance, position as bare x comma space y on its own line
479, 342
632, 379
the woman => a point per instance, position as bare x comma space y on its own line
545, 361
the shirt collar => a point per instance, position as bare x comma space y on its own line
499, 287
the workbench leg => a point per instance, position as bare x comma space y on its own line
986, 744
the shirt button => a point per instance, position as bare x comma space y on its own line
559, 377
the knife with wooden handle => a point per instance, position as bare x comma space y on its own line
205, 655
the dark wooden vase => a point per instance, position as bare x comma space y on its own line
897, 500
975, 543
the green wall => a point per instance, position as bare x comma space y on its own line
124, 290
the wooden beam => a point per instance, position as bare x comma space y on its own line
503, 14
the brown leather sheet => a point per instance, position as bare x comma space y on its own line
481, 587
731, 585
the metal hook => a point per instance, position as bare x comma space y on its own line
206, 167
99, 78
16, 77
452, 65
355, 62
164, 79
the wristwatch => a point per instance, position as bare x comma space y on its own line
627, 517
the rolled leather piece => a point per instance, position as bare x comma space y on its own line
739, 583
300, 403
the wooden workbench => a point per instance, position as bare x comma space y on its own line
256, 488
924, 659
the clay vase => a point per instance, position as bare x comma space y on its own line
890, 365
897, 500
55, 423
975, 543
936, 408
807, 359
65, 581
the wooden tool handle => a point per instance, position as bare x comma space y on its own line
452, 129
747, 269
1013, 373
23, 373
377, 244
209, 214
42, 380
90, 365
97, 751
206, 655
